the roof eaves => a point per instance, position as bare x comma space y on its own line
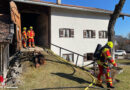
63, 6
81, 8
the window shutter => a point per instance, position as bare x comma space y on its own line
100, 35
61, 33
93, 34
106, 34
84, 34
72, 33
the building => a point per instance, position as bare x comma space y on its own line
70, 31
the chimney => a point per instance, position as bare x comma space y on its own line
58, 2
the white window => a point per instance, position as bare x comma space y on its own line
89, 34
103, 34
66, 32
69, 57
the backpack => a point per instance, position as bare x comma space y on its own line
97, 53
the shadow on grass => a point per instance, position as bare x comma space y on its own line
73, 78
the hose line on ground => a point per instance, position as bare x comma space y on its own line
60, 58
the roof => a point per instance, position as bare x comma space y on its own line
4, 28
73, 7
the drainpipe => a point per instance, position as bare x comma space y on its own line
58, 2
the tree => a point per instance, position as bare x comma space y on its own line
113, 19
129, 35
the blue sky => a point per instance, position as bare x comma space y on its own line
122, 27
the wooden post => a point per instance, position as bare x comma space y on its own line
16, 18
1, 57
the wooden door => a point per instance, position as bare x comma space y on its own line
16, 18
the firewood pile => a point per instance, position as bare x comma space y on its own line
16, 68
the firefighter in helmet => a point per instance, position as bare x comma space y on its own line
31, 35
103, 65
24, 35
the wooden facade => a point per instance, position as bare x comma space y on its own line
4, 42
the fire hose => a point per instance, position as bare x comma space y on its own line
81, 68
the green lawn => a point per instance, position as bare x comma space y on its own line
124, 77
57, 74
54, 74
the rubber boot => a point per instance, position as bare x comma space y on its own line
110, 86
29, 44
99, 83
33, 45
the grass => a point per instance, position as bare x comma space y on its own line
124, 77
54, 74
125, 61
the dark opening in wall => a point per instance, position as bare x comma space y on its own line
40, 23
88, 56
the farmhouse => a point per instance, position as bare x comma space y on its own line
70, 31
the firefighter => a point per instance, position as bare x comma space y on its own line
103, 65
24, 35
31, 35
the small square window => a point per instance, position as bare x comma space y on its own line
103, 34
66, 32
88, 56
69, 57
89, 34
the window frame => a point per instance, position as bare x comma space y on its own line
63, 33
103, 34
68, 56
89, 33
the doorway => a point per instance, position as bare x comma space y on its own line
40, 23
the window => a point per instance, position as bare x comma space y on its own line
88, 56
69, 57
103, 34
89, 34
66, 32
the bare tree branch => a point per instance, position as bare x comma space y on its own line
113, 19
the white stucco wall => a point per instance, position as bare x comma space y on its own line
79, 21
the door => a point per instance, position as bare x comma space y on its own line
16, 18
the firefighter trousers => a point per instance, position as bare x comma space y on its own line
107, 74
24, 42
31, 42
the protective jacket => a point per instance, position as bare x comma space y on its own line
24, 34
30, 34
106, 58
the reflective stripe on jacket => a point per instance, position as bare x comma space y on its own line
107, 57
31, 34
24, 35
